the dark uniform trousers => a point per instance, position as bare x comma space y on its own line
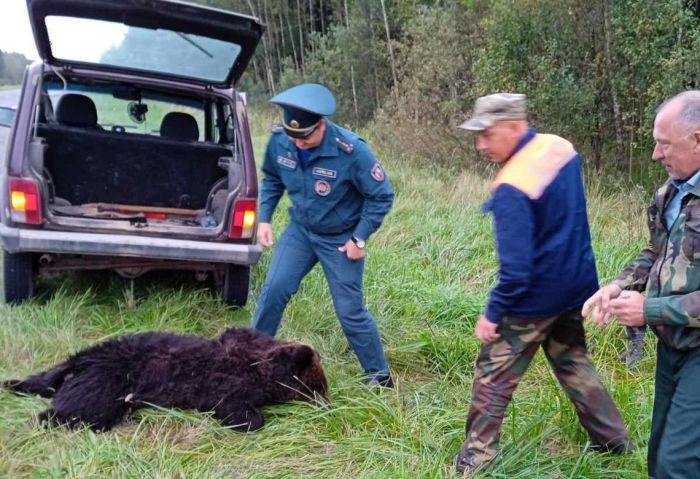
296, 252
674, 444
501, 364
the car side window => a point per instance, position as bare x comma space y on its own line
7, 116
227, 124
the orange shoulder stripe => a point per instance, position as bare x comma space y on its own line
536, 165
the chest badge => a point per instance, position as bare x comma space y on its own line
286, 162
322, 188
324, 172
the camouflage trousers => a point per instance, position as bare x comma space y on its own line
501, 364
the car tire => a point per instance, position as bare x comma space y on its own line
18, 277
235, 285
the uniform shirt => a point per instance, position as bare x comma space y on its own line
342, 188
305, 155
546, 263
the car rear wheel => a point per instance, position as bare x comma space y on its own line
18, 276
235, 285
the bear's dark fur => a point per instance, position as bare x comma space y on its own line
232, 375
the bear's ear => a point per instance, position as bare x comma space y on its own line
296, 354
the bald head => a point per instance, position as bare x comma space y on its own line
685, 108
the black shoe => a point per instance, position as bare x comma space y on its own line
617, 448
464, 465
383, 380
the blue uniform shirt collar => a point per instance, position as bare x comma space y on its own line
527, 137
688, 185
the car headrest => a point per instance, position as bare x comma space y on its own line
179, 126
74, 109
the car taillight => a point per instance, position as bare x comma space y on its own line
25, 202
242, 219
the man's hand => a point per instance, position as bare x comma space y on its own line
485, 330
629, 308
600, 302
352, 251
265, 237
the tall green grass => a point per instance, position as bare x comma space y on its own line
428, 273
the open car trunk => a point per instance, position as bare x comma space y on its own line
104, 167
106, 175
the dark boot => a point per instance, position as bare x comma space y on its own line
635, 349
383, 380
464, 465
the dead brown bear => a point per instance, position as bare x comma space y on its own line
233, 376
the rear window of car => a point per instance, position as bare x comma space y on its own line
158, 51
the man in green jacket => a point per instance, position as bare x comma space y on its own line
668, 273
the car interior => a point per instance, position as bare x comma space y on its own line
147, 150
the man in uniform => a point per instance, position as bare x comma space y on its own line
546, 272
340, 195
668, 272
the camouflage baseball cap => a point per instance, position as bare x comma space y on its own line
496, 107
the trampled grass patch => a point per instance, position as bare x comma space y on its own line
428, 273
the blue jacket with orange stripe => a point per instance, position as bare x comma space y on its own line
542, 235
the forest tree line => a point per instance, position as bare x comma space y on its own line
594, 71
12, 68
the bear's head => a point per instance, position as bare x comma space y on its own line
297, 369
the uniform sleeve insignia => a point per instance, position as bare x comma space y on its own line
378, 172
276, 128
344, 145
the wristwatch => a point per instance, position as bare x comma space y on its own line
360, 243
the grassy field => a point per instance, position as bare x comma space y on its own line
428, 272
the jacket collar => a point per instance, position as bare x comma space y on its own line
664, 194
526, 138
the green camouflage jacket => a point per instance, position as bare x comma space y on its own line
668, 271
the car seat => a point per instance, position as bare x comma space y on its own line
179, 126
74, 109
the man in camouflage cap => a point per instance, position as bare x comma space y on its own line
668, 273
546, 272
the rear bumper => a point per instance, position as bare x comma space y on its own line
15, 240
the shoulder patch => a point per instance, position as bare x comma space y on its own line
276, 128
378, 172
346, 146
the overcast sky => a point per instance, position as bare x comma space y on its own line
15, 32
